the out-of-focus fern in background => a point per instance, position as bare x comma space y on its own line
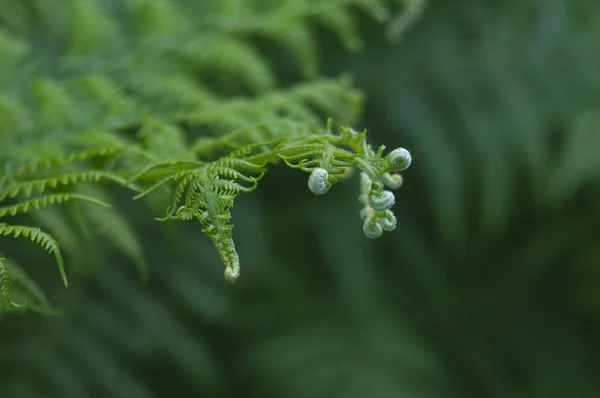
489, 287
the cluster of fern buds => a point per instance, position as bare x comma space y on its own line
377, 202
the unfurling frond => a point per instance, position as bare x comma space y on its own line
206, 191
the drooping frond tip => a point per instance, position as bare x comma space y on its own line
43, 239
6, 284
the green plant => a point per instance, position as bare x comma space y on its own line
139, 93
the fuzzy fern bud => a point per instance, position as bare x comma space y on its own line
392, 180
318, 181
381, 200
400, 159
372, 228
366, 212
388, 221
231, 273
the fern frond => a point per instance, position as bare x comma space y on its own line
37, 203
297, 37
138, 86
168, 167
207, 191
343, 24
6, 282
45, 240
22, 286
66, 159
157, 18
163, 140
26, 187
105, 92
171, 96
16, 120
163, 182
91, 29
229, 55
54, 106
56, 221
115, 228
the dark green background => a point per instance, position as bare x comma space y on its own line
489, 287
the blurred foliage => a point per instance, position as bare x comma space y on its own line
490, 287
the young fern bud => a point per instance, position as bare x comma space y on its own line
400, 159
372, 228
392, 180
318, 181
365, 188
232, 273
381, 200
366, 212
388, 221
365, 182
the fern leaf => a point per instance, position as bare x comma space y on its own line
164, 181
34, 298
115, 228
168, 167
295, 36
232, 56
331, 98
6, 282
37, 203
26, 187
92, 30
16, 119
343, 24
54, 105
158, 18
168, 94
164, 140
105, 92
55, 221
43, 239
66, 159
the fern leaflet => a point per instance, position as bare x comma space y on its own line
43, 239
6, 282
37, 203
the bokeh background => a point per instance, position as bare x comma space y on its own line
489, 287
